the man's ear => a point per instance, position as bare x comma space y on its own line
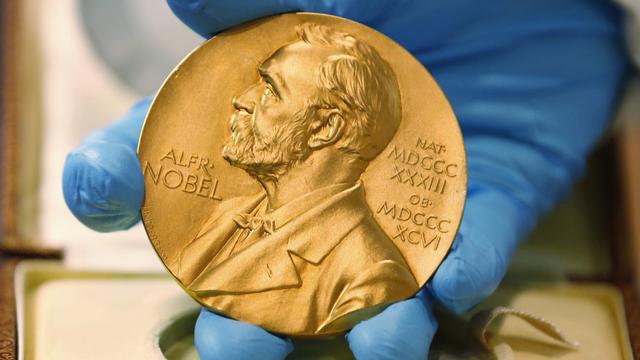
327, 129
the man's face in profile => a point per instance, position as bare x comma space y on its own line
269, 127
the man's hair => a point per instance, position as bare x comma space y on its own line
362, 85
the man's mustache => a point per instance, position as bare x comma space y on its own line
241, 125
235, 118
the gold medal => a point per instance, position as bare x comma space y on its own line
302, 172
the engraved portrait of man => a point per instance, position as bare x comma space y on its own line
306, 250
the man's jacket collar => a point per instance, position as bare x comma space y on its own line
268, 263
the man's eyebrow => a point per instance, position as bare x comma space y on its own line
270, 79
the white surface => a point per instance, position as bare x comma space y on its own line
75, 315
104, 319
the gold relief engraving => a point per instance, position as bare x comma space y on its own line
420, 200
294, 206
415, 237
418, 179
324, 106
432, 146
422, 170
151, 231
424, 161
199, 183
416, 227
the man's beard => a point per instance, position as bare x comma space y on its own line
266, 156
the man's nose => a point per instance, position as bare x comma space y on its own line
246, 101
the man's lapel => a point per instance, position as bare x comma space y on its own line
315, 234
261, 266
211, 238
267, 264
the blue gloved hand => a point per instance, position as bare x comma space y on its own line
533, 83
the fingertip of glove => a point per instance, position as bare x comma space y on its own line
218, 337
109, 224
105, 171
207, 17
189, 5
459, 285
403, 330
103, 186
481, 251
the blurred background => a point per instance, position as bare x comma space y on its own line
72, 66
83, 64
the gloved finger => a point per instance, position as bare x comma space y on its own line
493, 224
404, 330
398, 20
208, 17
218, 337
528, 126
102, 181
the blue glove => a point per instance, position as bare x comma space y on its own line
533, 83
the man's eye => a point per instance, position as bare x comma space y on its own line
268, 91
